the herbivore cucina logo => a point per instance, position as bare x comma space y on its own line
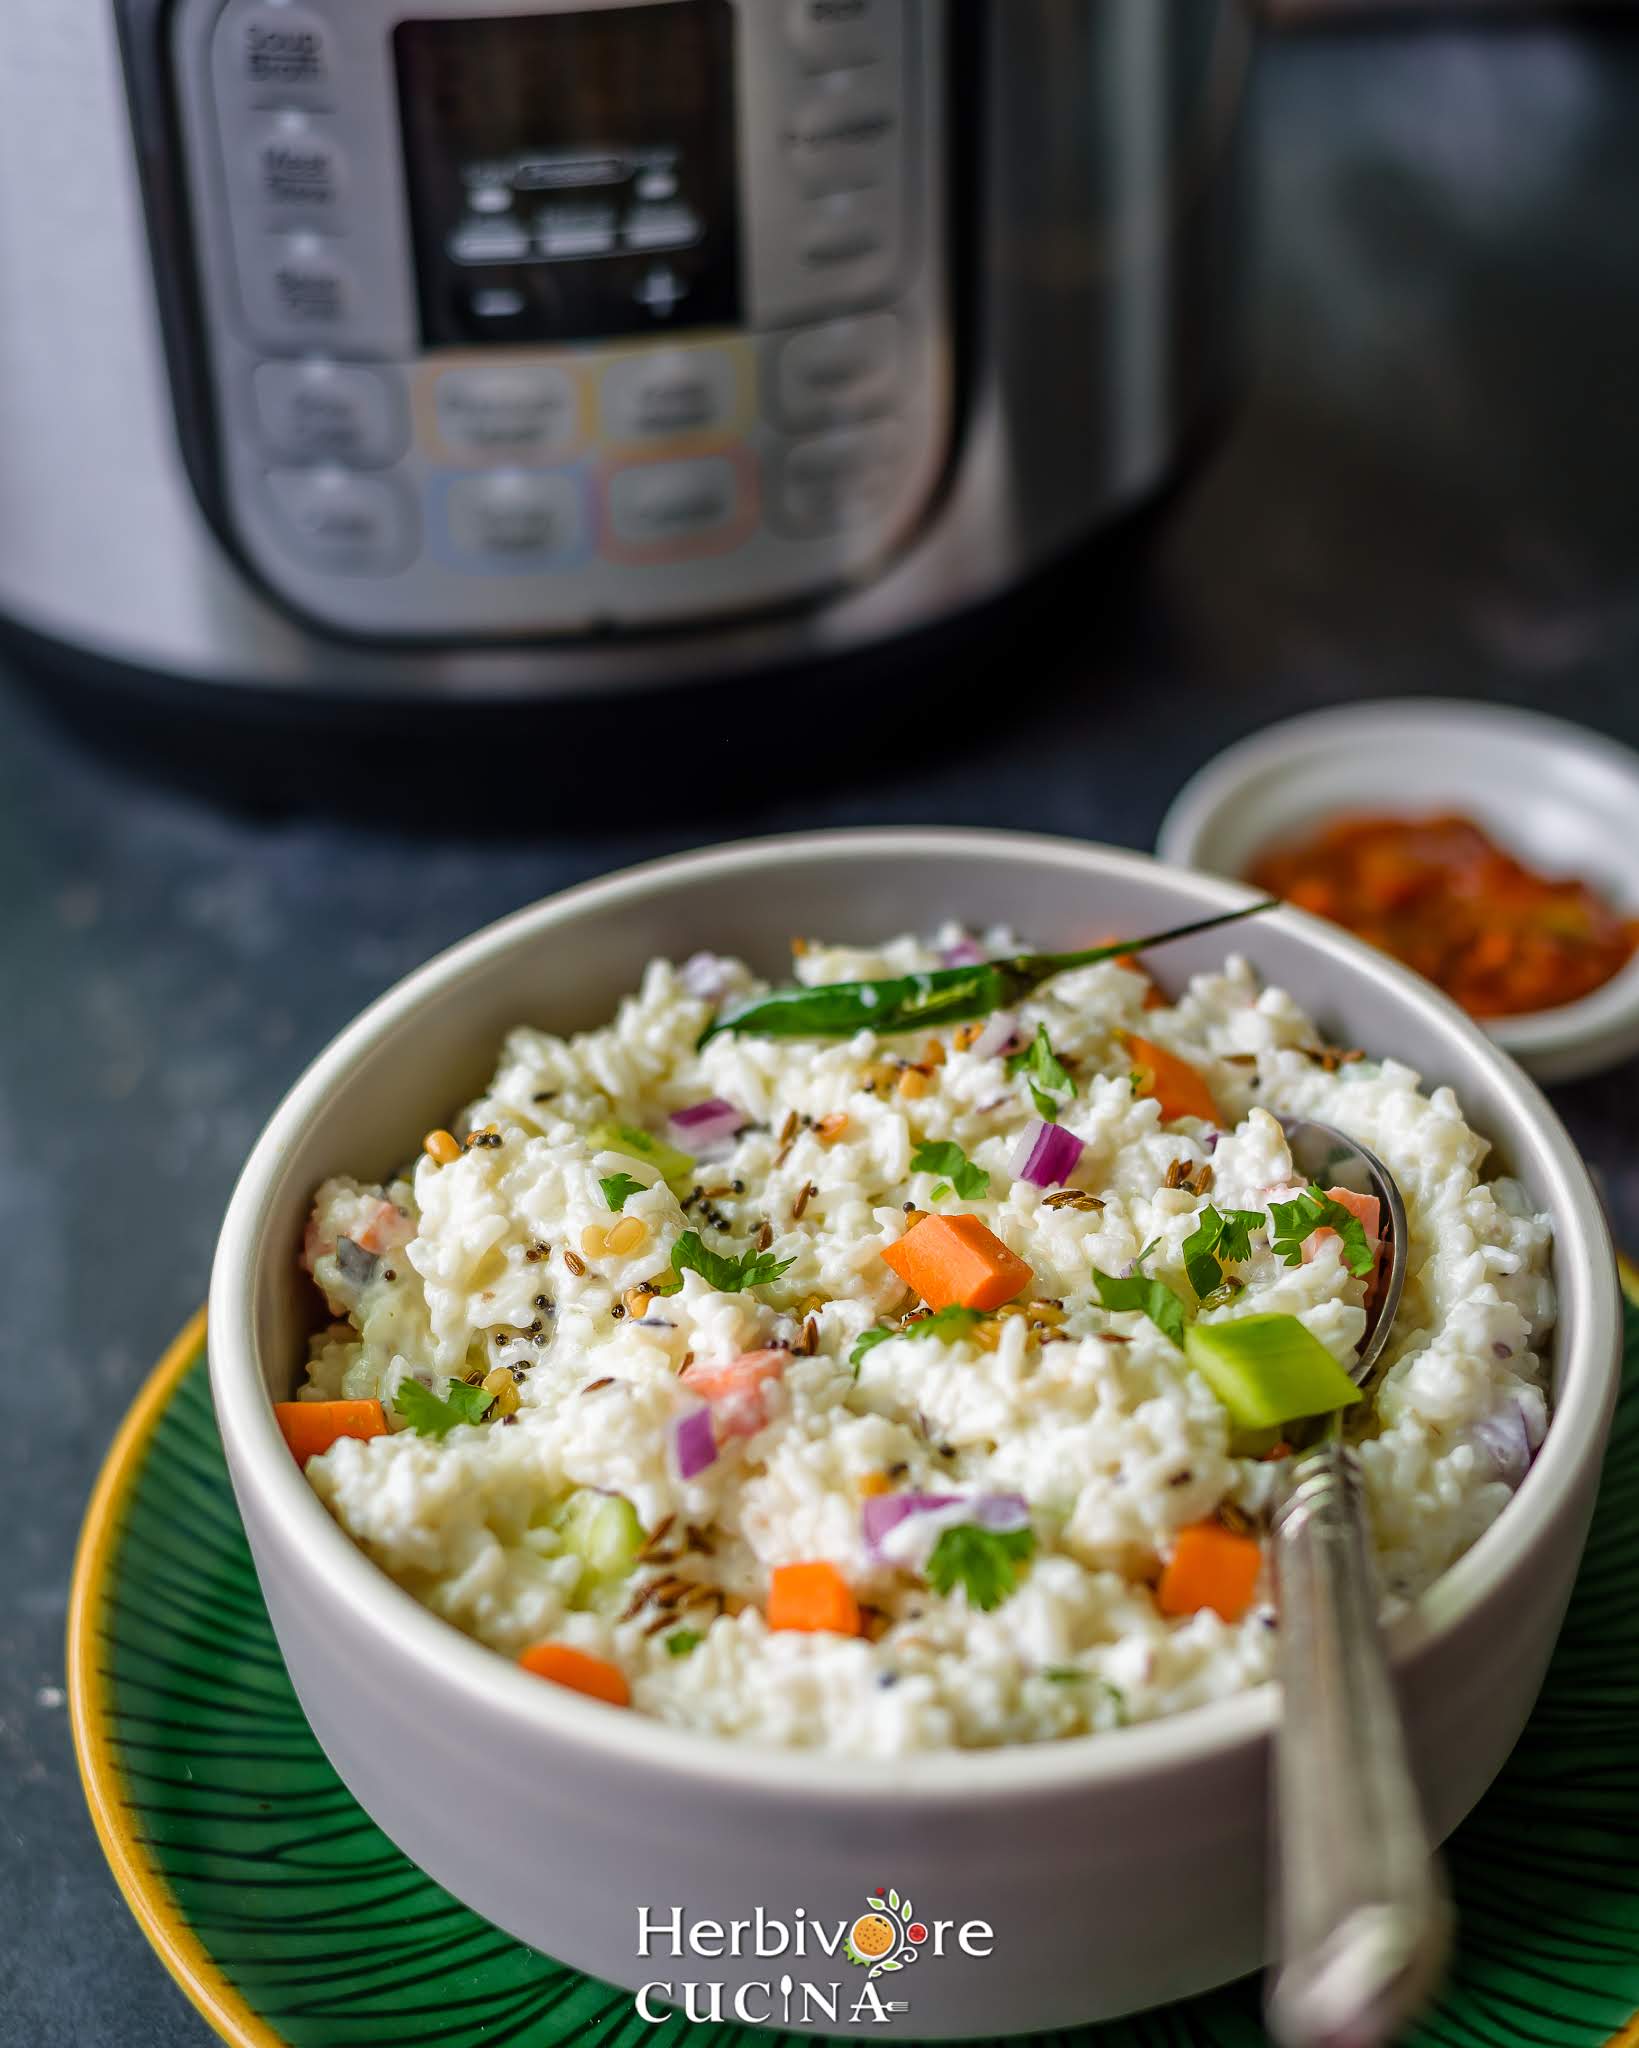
886, 1938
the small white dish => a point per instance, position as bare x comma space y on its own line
1564, 799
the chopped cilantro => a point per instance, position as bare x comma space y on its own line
947, 1324
1050, 1086
1072, 1674
1076, 1676
682, 1640
619, 1188
1153, 1298
1216, 1241
429, 1416
728, 1274
1297, 1221
970, 1182
983, 1562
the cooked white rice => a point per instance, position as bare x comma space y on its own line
1097, 1420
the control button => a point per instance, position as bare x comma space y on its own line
517, 518
329, 412
298, 175
564, 171
282, 54
488, 241
837, 33
670, 226
575, 229
494, 305
845, 370
668, 391
304, 292
837, 481
354, 525
661, 290
845, 245
508, 409
652, 504
845, 135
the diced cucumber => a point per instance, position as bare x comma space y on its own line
603, 1531
1268, 1369
667, 1161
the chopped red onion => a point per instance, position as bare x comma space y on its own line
1046, 1154
965, 953
703, 975
1001, 1034
1001, 1512
708, 1124
694, 1442
885, 1511
1507, 1438
355, 1262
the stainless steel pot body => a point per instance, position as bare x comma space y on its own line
1082, 314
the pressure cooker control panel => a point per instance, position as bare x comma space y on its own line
534, 318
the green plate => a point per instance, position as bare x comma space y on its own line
292, 1922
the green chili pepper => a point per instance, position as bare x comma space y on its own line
948, 995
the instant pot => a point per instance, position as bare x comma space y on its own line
509, 348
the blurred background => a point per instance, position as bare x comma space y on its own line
990, 437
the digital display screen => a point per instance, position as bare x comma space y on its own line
572, 176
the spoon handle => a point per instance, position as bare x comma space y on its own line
1364, 1921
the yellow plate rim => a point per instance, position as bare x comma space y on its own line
220, 2003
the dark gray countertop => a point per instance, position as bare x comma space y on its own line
1431, 489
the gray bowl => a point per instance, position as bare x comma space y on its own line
1115, 1871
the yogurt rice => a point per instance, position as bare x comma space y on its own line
660, 1415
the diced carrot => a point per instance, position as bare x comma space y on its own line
594, 1676
1370, 1212
1365, 1207
812, 1597
310, 1427
735, 1390
954, 1261
387, 1228
1212, 1567
1174, 1083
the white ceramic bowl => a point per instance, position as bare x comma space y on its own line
1116, 1870
1565, 799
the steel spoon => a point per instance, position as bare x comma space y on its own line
1362, 1909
